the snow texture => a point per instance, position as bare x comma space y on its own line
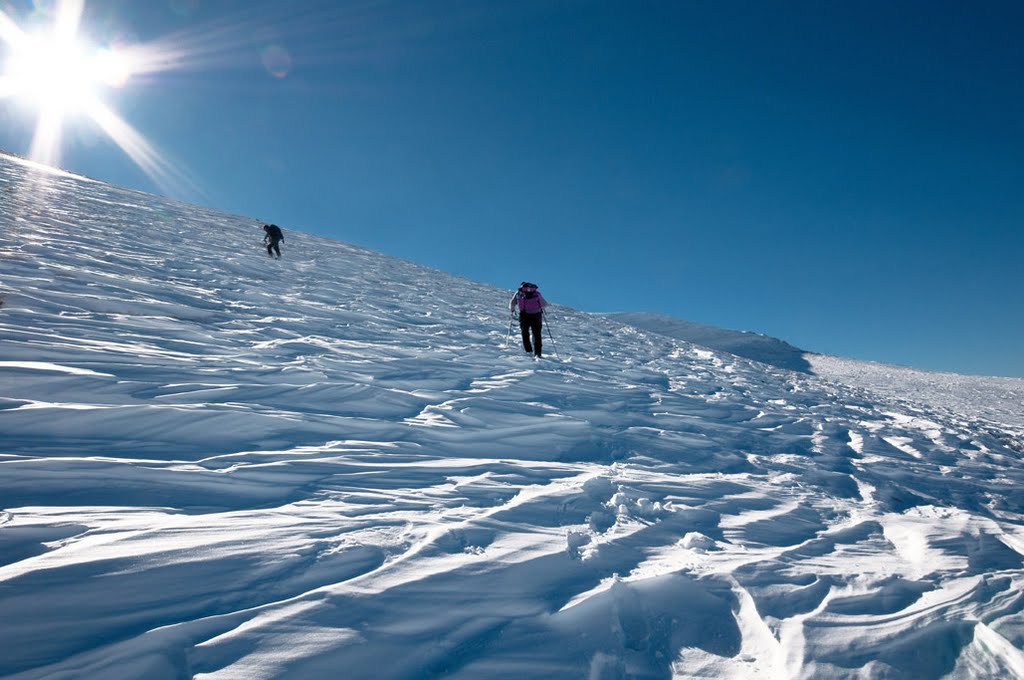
219, 465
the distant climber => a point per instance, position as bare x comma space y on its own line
530, 304
272, 237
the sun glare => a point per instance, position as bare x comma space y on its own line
53, 74
50, 71
59, 74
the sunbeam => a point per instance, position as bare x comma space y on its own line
10, 33
154, 163
46, 140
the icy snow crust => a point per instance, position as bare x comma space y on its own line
218, 465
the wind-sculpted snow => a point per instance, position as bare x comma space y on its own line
218, 465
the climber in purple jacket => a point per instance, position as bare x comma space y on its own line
530, 304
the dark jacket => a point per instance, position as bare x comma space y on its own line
273, 232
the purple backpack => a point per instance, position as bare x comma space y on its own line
530, 299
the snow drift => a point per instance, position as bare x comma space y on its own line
756, 346
218, 465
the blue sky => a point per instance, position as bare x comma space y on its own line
845, 176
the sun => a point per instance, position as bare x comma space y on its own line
59, 75
55, 74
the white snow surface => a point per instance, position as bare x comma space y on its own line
992, 398
218, 465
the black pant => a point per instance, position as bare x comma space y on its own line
272, 247
534, 323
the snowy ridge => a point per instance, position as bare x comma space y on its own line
217, 465
756, 346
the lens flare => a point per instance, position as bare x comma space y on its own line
277, 61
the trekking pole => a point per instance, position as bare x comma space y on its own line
544, 315
511, 320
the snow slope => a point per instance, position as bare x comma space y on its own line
217, 465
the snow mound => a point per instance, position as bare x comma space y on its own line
763, 348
